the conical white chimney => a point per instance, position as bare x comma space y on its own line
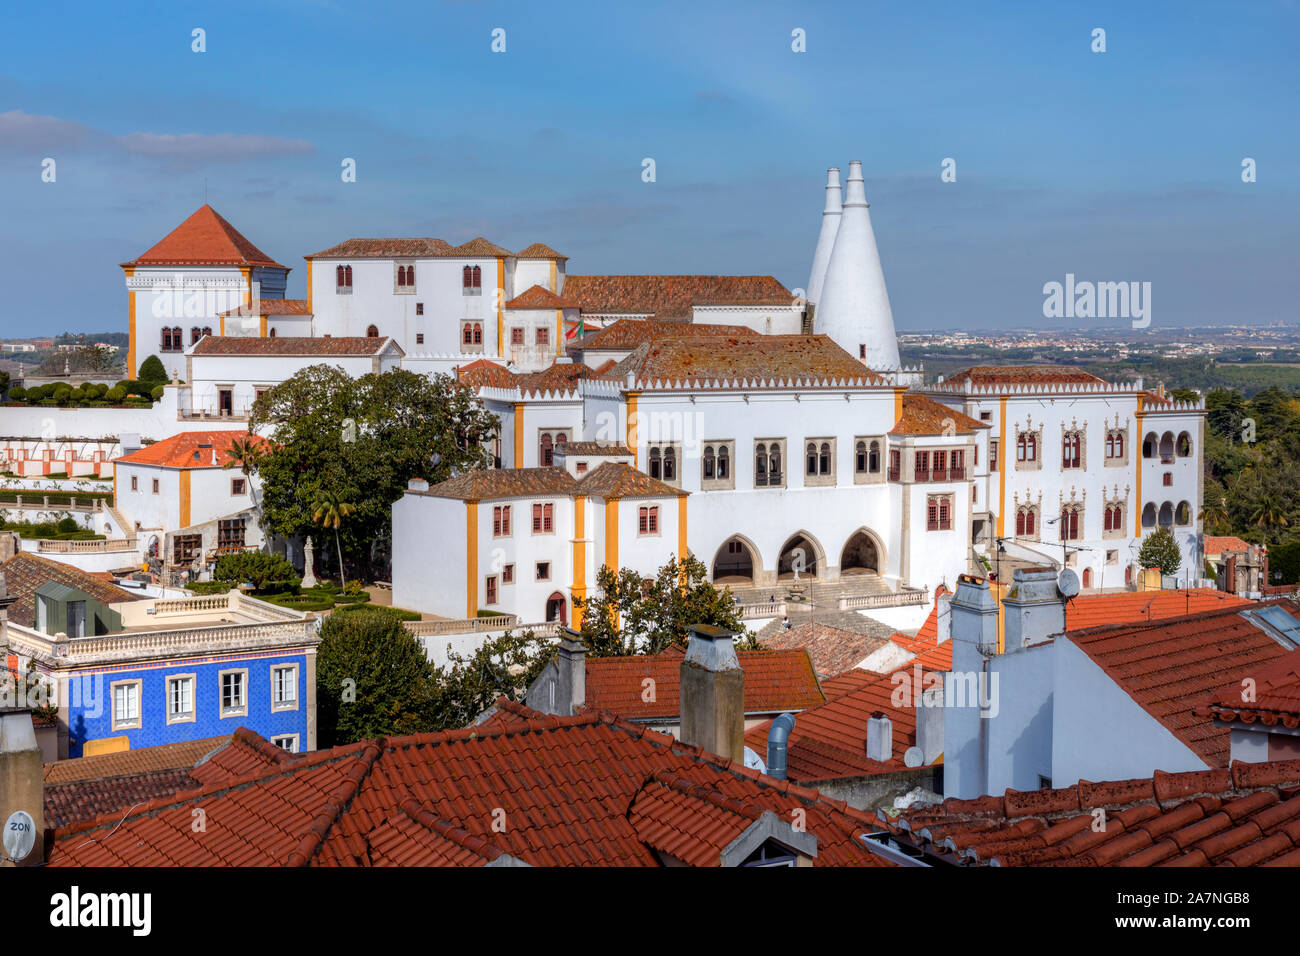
826, 240
854, 306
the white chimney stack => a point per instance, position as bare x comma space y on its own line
853, 308
826, 239
880, 738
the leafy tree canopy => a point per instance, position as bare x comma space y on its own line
262, 570
1160, 550
634, 615
360, 441
152, 371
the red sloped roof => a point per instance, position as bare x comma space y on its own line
1273, 700
179, 450
829, 742
1132, 607
566, 785
1246, 816
1171, 667
204, 239
775, 681
538, 297
1217, 545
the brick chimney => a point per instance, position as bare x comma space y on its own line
713, 693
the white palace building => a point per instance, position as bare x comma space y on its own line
646, 416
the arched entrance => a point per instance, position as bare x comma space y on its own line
860, 555
800, 554
734, 563
557, 608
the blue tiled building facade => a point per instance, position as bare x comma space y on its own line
192, 698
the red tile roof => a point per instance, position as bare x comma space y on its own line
831, 649
483, 373
1246, 816
204, 239
199, 449
775, 681
669, 296
85, 787
489, 483
385, 249
1169, 668
766, 361
272, 307
293, 345
25, 573
629, 333
549, 791
595, 449
924, 416
829, 741
539, 297
1024, 375
1132, 607
1272, 700
539, 250
1217, 545
478, 248
615, 479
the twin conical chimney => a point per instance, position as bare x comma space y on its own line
826, 240
853, 306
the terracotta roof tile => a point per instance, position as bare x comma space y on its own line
539, 250
204, 239
1248, 816
484, 373
832, 649
482, 484
1217, 545
629, 333
385, 249
567, 787
670, 296
1133, 607
182, 755
1171, 667
616, 479
539, 297
1024, 375
478, 248
25, 573
768, 361
924, 416
272, 307
197, 449
594, 449
1272, 699
775, 681
293, 345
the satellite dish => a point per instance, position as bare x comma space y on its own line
1067, 582
754, 762
913, 757
19, 835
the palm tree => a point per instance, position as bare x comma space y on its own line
329, 512
247, 454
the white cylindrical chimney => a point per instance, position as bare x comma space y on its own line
826, 238
854, 305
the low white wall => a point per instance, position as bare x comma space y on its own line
92, 561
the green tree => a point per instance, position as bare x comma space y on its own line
372, 680
1224, 409
504, 666
152, 372
362, 440
635, 615
264, 571
329, 512
1160, 550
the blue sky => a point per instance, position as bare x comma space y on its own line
1123, 165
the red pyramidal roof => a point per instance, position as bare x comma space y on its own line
205, 239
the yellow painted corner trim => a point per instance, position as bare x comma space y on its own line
500, 295
309, 308
632, 422
262, 327
185, 497
471, 558
519, 435
579, 589
1004, 462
